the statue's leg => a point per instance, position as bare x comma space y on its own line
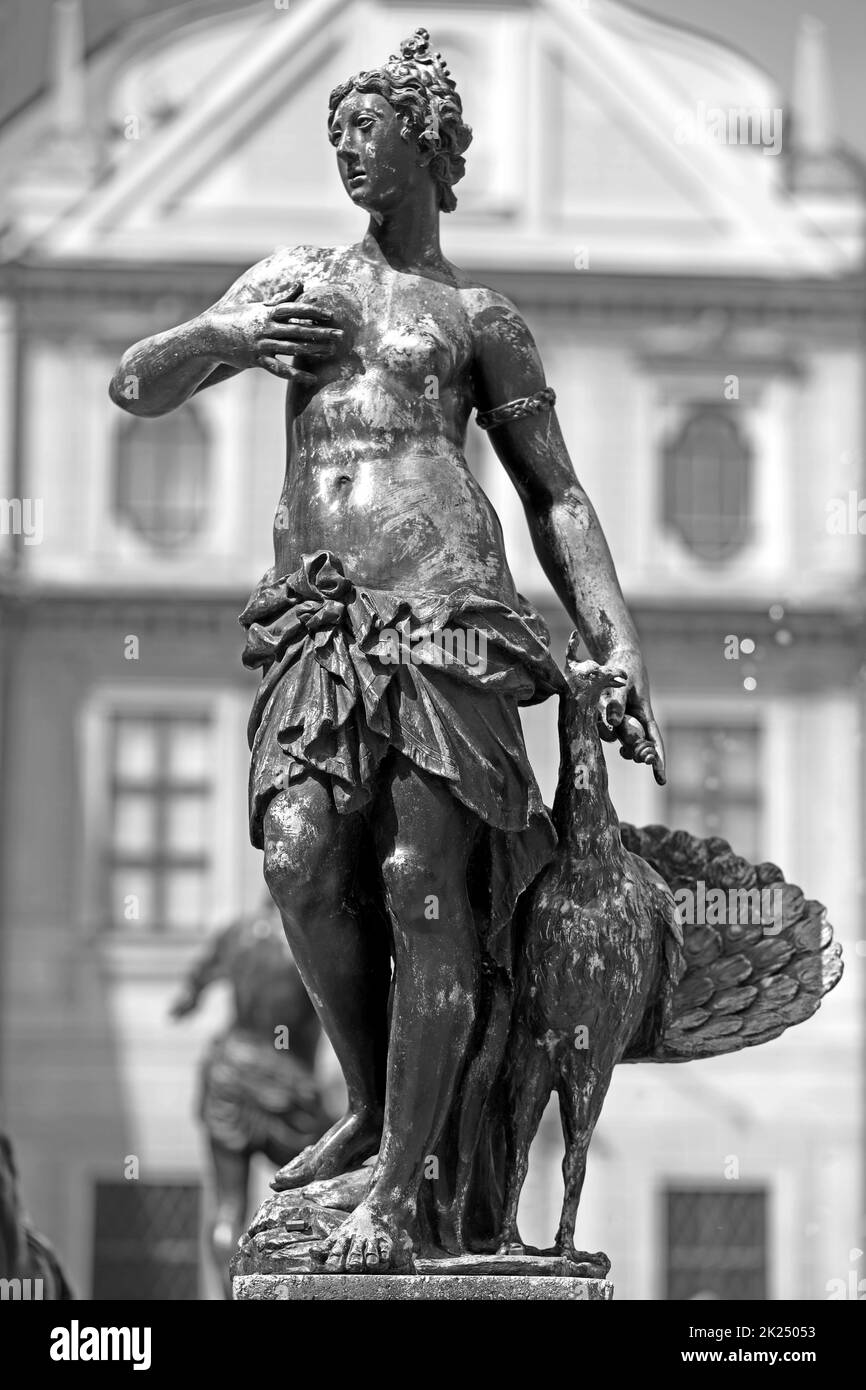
423, 839
310, 853
231, 1176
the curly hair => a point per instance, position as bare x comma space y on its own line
420, 88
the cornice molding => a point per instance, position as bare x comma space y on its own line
42, 288
686, 621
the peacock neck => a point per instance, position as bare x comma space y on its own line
584, 816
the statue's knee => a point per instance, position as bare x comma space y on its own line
426, 902
301, 870
410, 887
292, 882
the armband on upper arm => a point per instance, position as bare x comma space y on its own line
544, 399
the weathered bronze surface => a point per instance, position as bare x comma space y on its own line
390, 788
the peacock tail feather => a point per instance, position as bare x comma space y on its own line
749, 975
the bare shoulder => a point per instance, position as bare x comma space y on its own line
507, 362
492, 315
503, 346
282, 268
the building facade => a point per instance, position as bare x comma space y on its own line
686, 245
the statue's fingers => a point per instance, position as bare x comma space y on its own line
294, 347
654, 735
277, 367
659, 769
630, 731
630, 734
286, 296
611, 707
312, 313
291, 332
303, 332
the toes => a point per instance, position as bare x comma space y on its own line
371, 1255
355, 1257
320, 1252
384, 1247
293, 1174
336, 1261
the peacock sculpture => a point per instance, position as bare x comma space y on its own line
613, 967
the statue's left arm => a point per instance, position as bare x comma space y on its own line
564, 527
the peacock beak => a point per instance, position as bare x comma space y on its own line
587, 680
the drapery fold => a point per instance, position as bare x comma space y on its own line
349, 672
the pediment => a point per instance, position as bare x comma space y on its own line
574, 109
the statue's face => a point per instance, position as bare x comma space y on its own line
379, 169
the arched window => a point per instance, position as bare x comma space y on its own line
708, 484
161, 477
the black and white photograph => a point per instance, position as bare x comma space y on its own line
432, 667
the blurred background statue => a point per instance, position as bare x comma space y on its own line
258, 1093
29, 1265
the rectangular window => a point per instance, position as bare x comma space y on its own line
716, 1244
714, 783
146, 1240
161, 793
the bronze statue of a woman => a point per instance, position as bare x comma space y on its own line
393, 799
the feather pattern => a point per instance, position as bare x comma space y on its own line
748, 976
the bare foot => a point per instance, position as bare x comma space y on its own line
370, 1241
345, 1145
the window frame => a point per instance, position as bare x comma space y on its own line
228, 708
671, 519
160, 789
663, 392
717, 1188
776, 716
133, 425
191, 1183
219, 552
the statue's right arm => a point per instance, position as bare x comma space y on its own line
256, 319
215, 964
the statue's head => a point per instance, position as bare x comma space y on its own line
398, 127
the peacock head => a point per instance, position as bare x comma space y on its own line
587, 679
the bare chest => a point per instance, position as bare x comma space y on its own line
403, 327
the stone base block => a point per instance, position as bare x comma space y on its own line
396, 1288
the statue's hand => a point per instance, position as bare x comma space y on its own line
626, 715
260, 334
185, 1004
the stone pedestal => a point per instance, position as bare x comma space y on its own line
397, 1288
274, 1260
